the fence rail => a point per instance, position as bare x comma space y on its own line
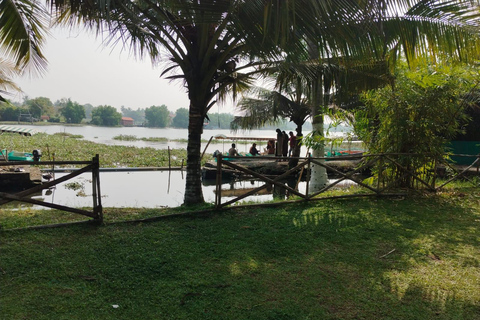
24, 196
394, 175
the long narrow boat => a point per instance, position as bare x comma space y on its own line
16, 156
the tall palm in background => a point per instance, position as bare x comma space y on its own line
23, 25
267, 107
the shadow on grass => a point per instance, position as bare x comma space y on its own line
351, 259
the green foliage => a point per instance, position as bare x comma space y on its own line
40, 106
157, 116
54, 119
88, 110
69, 135
73, 112
219, 121
9, 112
127, 137
106, 116
181, 118
420, 114
471, 130
69, 147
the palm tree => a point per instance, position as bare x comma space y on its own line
211, 43
7, 72
23, 26
269, 106
437, 29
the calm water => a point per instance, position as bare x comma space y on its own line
158, 189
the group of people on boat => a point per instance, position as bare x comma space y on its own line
283, 147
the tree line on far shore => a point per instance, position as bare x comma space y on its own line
68, 111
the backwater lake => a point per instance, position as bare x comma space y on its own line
146, 189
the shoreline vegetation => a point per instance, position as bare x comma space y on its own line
68, 147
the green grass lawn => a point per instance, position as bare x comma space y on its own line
413, 258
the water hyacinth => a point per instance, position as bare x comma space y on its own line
66, 148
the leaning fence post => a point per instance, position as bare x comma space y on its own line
169, 165
218, 184
97, 199
478, 164
308, 177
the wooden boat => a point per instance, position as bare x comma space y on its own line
334, 155
20, 156
19, 130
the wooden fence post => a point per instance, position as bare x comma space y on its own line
97, 198
169, 164
308, 178
218, 184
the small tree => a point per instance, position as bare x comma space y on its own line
157, 116
106, 116
88, 110
72, 112
181, 118
40, 106
219, 121
9, 112
419, 114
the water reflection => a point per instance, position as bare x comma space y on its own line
155, 189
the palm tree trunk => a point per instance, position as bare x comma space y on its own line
193, 187
318, 177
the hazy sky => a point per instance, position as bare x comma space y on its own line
83, 69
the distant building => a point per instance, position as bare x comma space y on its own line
127, 122
44, 118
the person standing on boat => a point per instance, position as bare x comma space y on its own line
253, 150
285, 144
293, 143
279, 148
232, 152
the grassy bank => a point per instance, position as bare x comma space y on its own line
72, 148
413, 258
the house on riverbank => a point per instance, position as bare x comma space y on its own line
127, 122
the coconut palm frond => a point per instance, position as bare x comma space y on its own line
23, 29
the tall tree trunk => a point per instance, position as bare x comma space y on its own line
318, 176
193, 187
